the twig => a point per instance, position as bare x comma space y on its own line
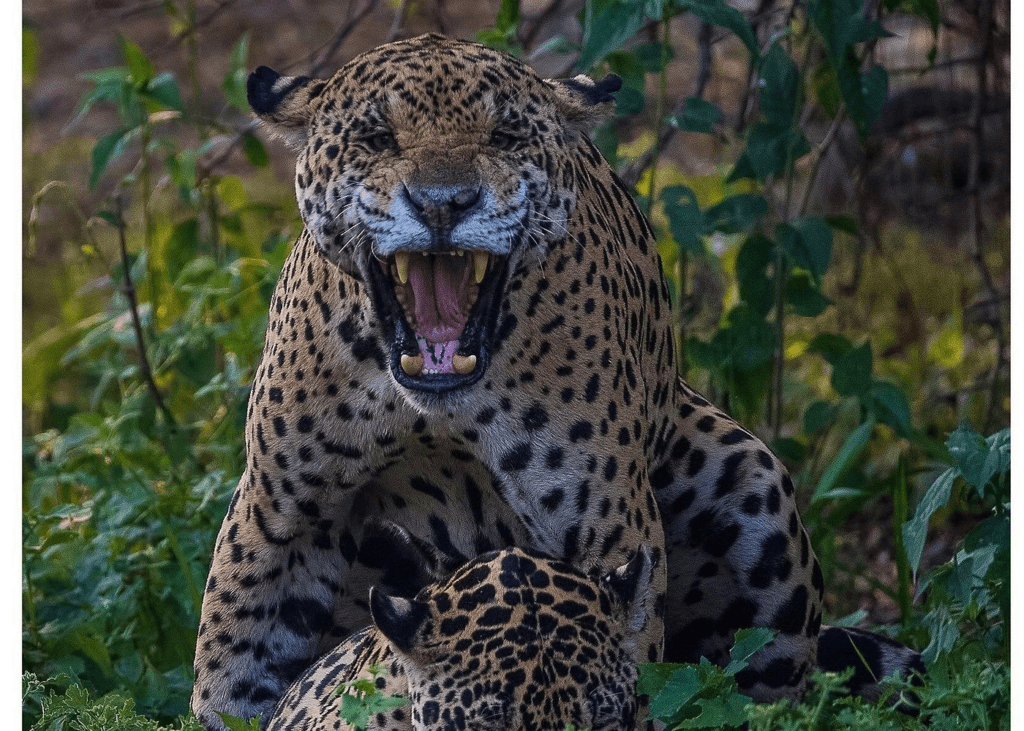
335, 43
635, 170
396, 24
977, 225
529, 36
819, 155
133, 308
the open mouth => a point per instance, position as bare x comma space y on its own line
442, 306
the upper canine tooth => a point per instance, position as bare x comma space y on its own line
480, 259
412, 364
402, 265
463, 364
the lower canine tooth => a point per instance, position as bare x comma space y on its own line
402, 265
480, 259
463, 364
413, 364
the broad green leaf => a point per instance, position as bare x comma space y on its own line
944, 629
969, 571
698, 116
684, 217
140, 67
850, 620
808, 243
29, 56
770, 148
651, 55
806, 299
976, 458
254, 150
716, 12
163, 89
736, 214
233, 723
891, 406
720, 712
680, 687
747, 643
780, 88
508, 16
236, 77
830, 345
915, 530
752, 263
851, 374
607, 25
852, 447
107, 149
817, 416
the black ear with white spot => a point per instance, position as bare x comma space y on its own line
585, 103
400, 620
632, 583
283, 103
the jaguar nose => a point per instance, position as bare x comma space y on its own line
442, 206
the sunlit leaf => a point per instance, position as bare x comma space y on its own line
139, 66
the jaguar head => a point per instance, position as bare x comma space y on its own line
434, 170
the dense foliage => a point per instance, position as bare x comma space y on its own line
135, 399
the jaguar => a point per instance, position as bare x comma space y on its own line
472, 337
511, 639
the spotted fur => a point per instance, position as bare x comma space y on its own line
555, 420
510, 640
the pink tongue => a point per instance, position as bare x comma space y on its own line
439, 285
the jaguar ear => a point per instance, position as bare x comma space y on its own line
283, 103
408, 563
632, 583
585, 103
400, 620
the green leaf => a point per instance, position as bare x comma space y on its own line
830, 345
977, 460
607, 25
752, 263
806, 299
107, 149
29, 56
716, 12
237, 76
808, 243
915, 530
852, 447
747, 643
944, 629
254, 150
770, 148
817, 416
652, 56
679, 689
843, 223
890, 404
508, 16
780, 88
698, 116
163, 89
684, 217
736, 214
139, 67
851, 374
233, 723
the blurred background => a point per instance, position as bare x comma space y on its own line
829, 182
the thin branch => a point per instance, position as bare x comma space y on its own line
396, 24
133, 308
546, 14
977, 146
635, 170
819, 155
334, 44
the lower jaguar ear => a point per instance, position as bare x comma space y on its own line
632, 583
585, 103
400, 620
283, 103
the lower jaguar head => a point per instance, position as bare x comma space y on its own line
432, 169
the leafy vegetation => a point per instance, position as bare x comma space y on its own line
135, 383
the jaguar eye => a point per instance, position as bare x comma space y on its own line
380, 141
503, 140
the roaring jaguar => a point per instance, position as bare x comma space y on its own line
472, 337
510, 640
